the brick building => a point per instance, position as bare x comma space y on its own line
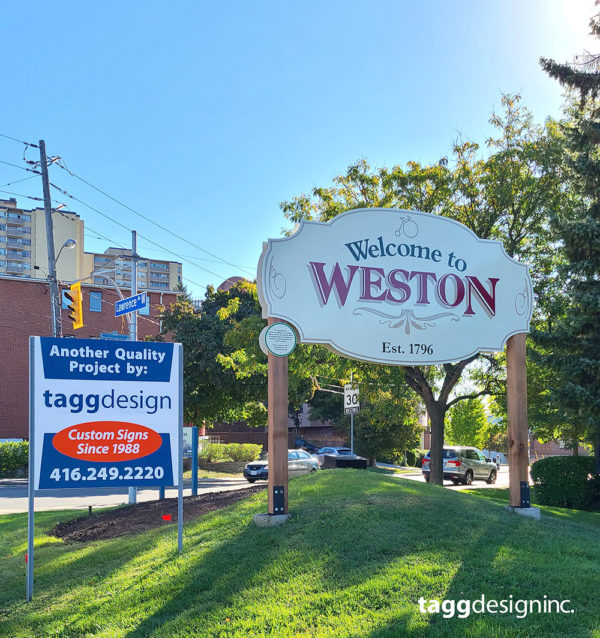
26, 312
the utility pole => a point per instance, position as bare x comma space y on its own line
54, 301
133, 322
134, 260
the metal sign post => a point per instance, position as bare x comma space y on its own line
351, 406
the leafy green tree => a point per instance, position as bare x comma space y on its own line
212, 391
575, 338
506, 195
387, 424
468, 424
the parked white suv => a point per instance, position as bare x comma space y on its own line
464, 465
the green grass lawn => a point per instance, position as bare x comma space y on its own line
500, 496
359, 551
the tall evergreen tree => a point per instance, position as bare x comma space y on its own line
576, 338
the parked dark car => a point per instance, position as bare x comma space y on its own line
299, 462
464, 465
303, 444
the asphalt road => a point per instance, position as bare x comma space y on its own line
13, 495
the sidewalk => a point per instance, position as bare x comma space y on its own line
14, 499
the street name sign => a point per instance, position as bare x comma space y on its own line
114, 336
131, 304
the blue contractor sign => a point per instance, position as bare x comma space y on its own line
105, 413
130, 304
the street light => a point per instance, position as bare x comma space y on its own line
69, 243
54, 298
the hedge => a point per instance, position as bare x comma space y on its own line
241, 452
414, 457
13, 457
567, 481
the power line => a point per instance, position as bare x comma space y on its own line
99, 234
14, 139
21, 168
37, 199
16, 181
114, 199
67, 194
77, 199
214, 261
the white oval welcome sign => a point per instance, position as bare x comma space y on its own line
395, 287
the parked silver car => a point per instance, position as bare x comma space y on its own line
464, 465
299, 462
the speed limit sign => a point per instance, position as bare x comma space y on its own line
351, 404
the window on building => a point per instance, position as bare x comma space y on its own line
65, 301
146, 309
95, 301
20, 216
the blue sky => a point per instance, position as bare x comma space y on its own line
204, 116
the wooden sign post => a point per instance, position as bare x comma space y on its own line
516, 394
278, 432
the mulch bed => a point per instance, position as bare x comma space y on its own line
140, 517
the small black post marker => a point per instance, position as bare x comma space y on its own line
525, 494
278, 499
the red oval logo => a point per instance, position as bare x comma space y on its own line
107, 441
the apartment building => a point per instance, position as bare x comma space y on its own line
115, 263
24, 252
23, 245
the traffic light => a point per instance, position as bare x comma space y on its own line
76, 306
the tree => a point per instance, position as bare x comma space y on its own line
387, 424
576, 335
505, 196
468, 424
212, 390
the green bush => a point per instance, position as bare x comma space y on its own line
243, 452
567, 481
414, 457
212, 453
240, 452
13, 457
